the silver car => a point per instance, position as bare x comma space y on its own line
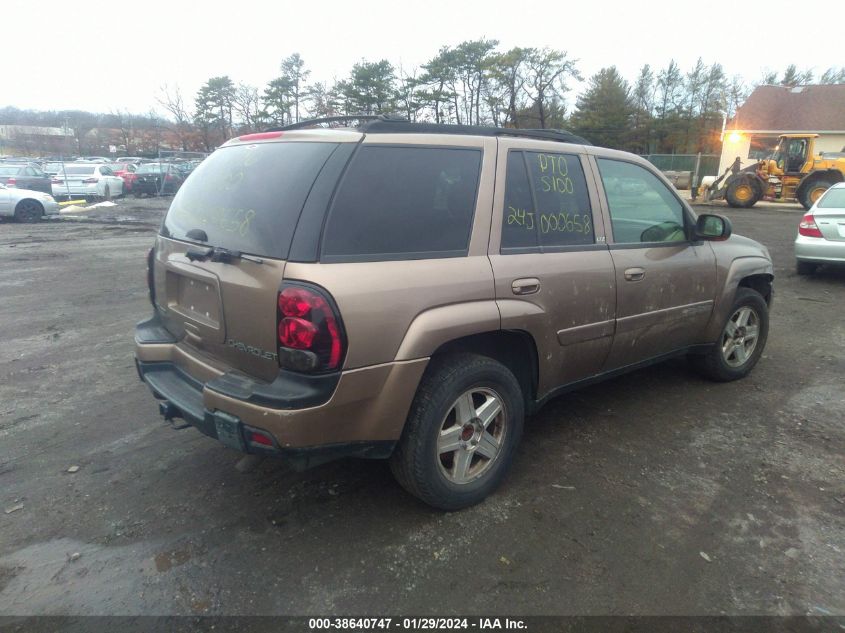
88, 180
25, 205
821, 233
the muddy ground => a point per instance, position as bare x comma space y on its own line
655, 493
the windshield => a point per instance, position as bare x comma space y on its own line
248, 197
833, 199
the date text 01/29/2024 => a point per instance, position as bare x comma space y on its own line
414, 624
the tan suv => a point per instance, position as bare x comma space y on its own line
412, 291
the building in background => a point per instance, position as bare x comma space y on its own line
34, 140
773, 110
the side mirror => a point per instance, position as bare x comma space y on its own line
715, 228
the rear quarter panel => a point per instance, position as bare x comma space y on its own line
415, 305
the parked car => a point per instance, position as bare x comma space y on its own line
412, 291
95, 159
90, 180
137, 160
153, 179
127, 172
25, 176
52, 168
821, 233
26, 205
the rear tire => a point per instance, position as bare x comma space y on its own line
743, 193
734, 354
29, 211
813, 192
806, 268
461, 433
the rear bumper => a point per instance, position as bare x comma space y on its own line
74, 190
362, 415
819, 250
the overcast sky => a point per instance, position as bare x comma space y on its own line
105, 56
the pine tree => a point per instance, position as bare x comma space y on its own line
604, 112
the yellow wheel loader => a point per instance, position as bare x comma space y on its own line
793, 171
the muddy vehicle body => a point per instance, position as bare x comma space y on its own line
413, 291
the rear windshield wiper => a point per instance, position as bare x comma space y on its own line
219, 254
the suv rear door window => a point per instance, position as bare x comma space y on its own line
546, 202
642, 208
403, 203
247, 198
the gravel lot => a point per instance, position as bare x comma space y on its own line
655, 493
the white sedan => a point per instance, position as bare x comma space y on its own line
821, 233
24, 205
88, 180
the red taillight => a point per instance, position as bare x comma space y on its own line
12, 181
168, 177
56, 181
309, 330
808, 227
297, 333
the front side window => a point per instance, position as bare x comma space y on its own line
642, 208
403, 203
546, 202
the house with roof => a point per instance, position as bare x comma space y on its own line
773, 110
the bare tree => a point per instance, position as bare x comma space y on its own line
170, 98
547, 71
247, 103
125, 123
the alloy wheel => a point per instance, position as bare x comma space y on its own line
472, 435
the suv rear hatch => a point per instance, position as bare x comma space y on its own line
219, 260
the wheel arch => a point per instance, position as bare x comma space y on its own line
756, 273
762, 283
515, 349
832, 174
22, 200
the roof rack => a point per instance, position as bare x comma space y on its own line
388, 125
392, 124
334, 119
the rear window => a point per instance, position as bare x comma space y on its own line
247, 197
152, 168
403, 203
833, 199
78, 170
7, 170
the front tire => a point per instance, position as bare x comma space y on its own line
461, 433
743, 193
29, 211
741, 342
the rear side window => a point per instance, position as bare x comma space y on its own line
832, 199
547, 205
403, 203
247, 197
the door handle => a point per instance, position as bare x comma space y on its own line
526, 286
634, 274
